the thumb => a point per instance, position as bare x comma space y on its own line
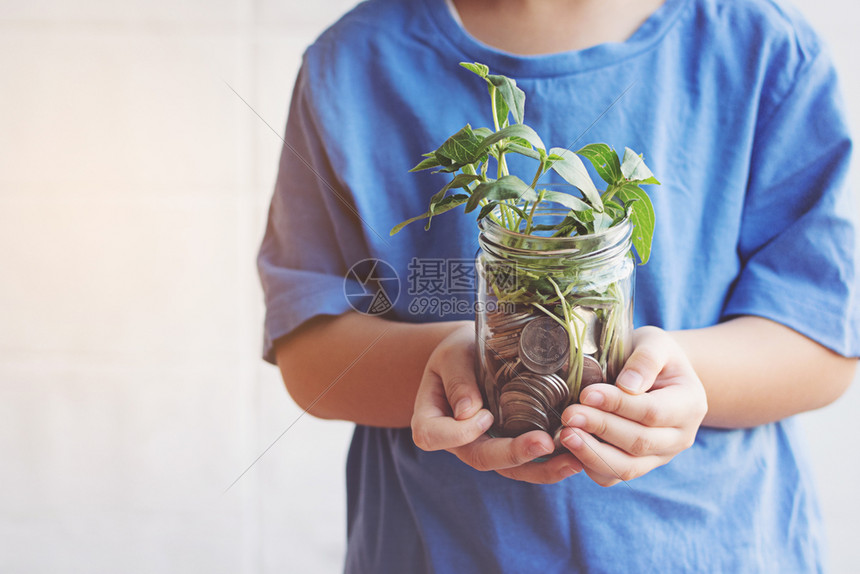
463, 394
645, 363
456, 367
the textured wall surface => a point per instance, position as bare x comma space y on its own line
133, 190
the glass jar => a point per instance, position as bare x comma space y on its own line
554, 315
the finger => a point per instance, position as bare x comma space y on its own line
551, 471
500, 453
432, 426
650, 354
630, 436
604, 463
457, 372
668, 406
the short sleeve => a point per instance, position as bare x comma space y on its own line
797, 243
301, 261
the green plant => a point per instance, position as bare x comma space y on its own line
557, 290
511, 202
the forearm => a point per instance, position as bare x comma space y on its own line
756, 371
358, 367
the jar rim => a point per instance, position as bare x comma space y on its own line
520, 242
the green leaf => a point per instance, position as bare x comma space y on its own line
642, 216
481, 133
514, 131
521, 141
519, 211
602, 222
605, 161
427, 163
460, 181
573, 171
459, 149
487, 209
507, 187
615, 210
566, 200
446, 204
477, 68
514, 97
634, 169
523, 150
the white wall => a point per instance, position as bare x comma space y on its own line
133, 187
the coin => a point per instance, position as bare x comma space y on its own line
519, 385
507, 371
551, 387
502, 343
520, 425
499, 321
591, 372
544, 345
521, 413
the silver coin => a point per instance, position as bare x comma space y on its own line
544, 345
591, 372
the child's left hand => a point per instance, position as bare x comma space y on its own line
651, 415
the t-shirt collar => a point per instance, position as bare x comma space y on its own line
651, 32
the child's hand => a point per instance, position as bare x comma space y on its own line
642, 430
449, 416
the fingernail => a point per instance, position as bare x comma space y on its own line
593, 399
538, 449
485, 420
630, 381
461, 407
570, 439
576, 420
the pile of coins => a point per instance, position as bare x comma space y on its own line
527, 360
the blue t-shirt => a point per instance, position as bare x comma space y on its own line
735, 106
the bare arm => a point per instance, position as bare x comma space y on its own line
372, 366
756, 371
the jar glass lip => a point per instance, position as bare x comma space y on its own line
502, 236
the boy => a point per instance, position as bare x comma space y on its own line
746, 312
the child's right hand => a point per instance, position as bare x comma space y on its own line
448, 415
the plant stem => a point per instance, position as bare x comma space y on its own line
574, 373
493, 104
611, 190
532, 185
532, 212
